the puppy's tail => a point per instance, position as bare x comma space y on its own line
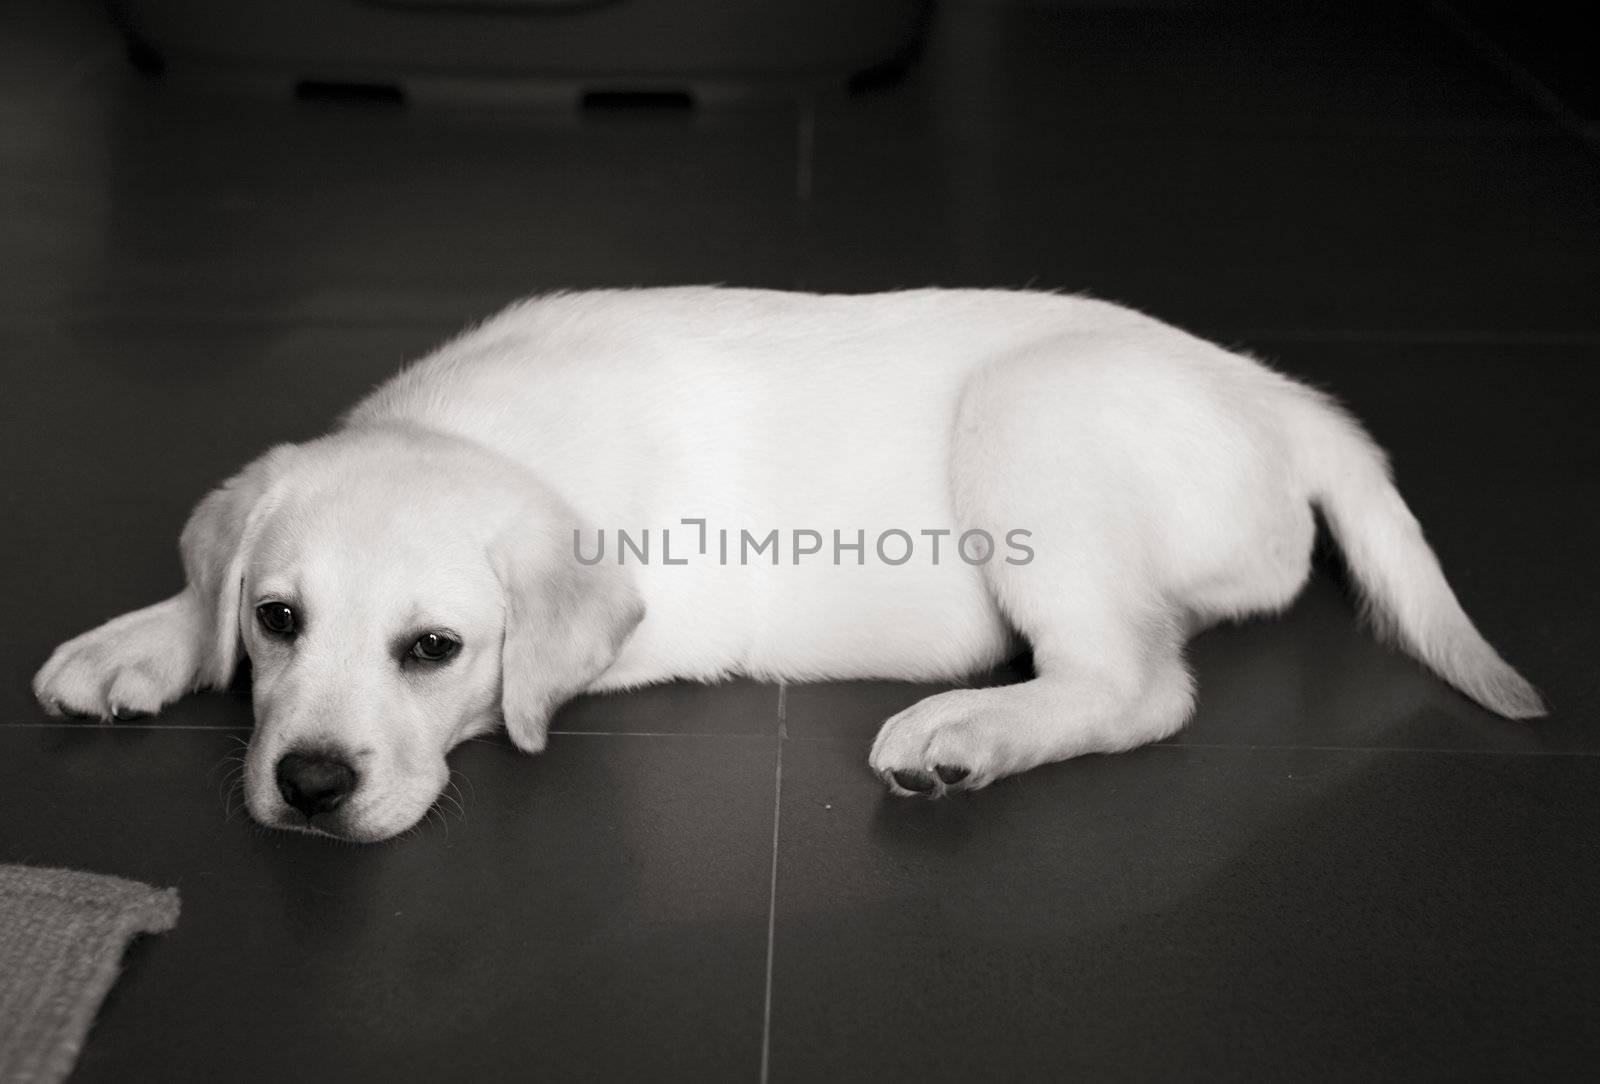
1403, 588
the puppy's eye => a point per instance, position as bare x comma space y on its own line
434, 647
276, 618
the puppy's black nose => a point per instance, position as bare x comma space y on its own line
314, 782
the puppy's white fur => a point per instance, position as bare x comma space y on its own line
1163, 482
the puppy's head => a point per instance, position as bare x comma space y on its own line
397, 592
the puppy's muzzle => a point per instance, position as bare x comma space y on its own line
315, 782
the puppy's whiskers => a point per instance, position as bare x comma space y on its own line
231, 786
452, 794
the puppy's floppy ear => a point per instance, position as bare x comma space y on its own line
213, 546
565, 623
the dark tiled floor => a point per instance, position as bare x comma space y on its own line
1177, 913
599, 912
1341, 869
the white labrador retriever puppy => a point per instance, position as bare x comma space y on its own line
601, 490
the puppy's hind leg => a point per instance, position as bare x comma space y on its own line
1038, 447
1104, 684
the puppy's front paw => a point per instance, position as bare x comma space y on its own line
936, 746
129, 667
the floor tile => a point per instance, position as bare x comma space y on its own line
1313, 214
1181, 914
598, 912
155, 201
1184, 69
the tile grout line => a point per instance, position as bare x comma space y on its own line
92, 724
648, 734
784, 736
1411, 749
772, 922
772, 889
233, 729
1257, 747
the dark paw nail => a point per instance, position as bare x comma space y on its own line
124, 715
951, 774
921, 782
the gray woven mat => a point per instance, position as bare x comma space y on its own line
62, 935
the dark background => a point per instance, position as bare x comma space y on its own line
1340, 869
